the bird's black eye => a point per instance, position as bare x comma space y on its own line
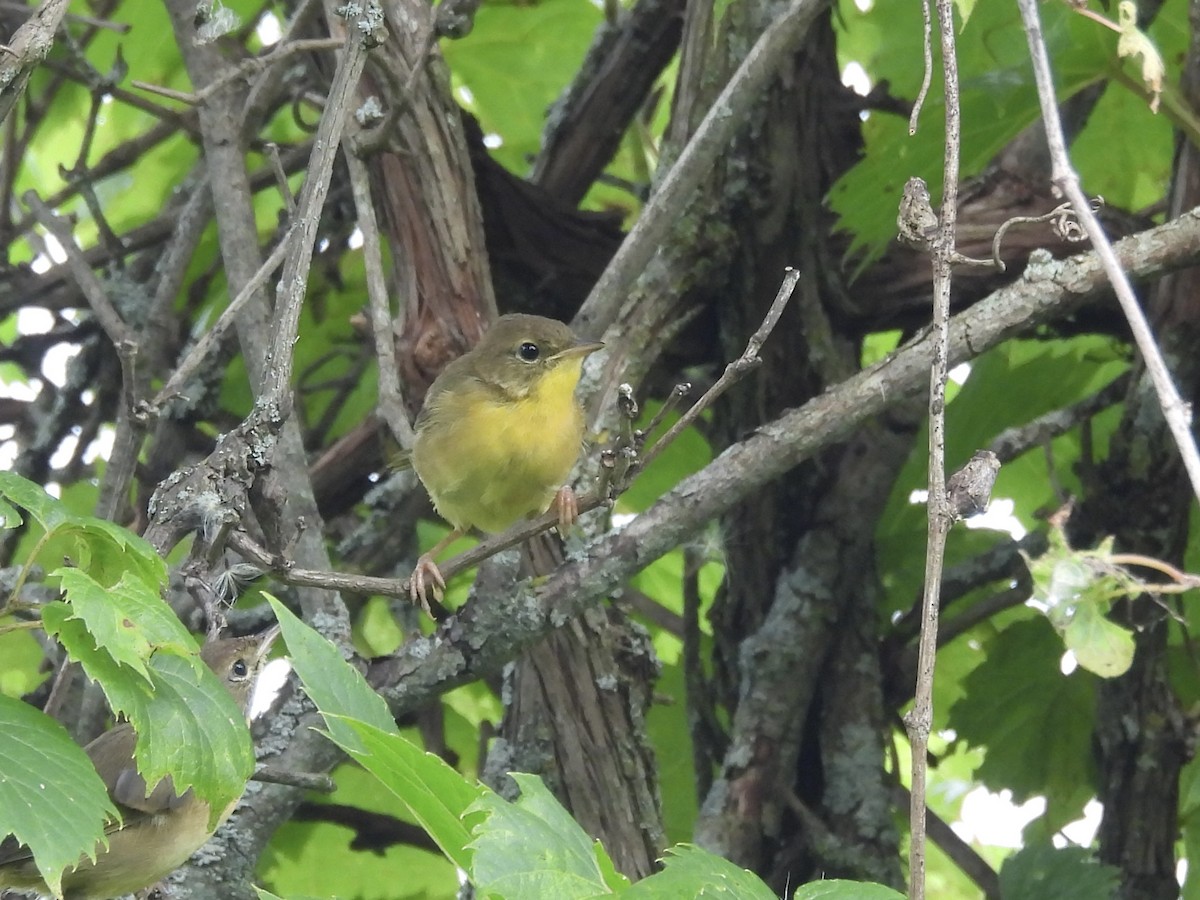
240, 669
529, 351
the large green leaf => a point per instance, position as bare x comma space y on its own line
338, 690
439, 798
514, 65
533, 848
1034, 722
129, 619
359, 722
50, 795
115, 623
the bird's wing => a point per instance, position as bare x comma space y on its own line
112, 755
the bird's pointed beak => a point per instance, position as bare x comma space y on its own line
265, 640
583, 348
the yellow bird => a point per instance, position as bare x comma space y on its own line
499, 433
159, 828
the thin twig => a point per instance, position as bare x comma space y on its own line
968, 860
391, 397
1176, 412
676, 396
106, 314
735, 370
1012, 442
919, 721
309, 781
927, 77
285, 189
293, 281
129, 431
1186, 580
244, 69
191, 363
170, 93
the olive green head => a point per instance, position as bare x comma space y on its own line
517, 351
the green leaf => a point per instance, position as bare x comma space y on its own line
337, 688
1076, 588
439, 798
1034, 722
315, 858
1041, 872
50, 795
690, 871
515, 63
188, 725
360, 723
1101, 645
129, 620
9, 516
46, 510
838, 889
533, 848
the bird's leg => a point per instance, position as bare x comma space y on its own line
566, 504
427, 568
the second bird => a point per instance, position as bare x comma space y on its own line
500, 431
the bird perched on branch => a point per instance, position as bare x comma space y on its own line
499, 433
159, 828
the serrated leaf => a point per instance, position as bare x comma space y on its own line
193, 729
129, 620
533, 848
1101, 645
439, 798
188, 725
111, 552
337, 688
1041, 872
50, 795
838, 889
691, 871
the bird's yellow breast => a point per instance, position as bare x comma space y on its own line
488, 460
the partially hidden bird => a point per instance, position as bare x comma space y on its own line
499, 433
159, 828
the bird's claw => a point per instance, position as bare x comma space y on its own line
566, 504
426, 568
